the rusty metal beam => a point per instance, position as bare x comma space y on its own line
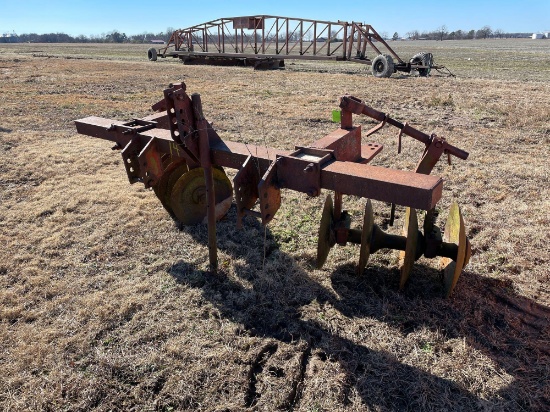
380, 183
404, 188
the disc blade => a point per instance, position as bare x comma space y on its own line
177, 172
188, 196
163, 188
366, 238
455, 232
325, 240
407, 257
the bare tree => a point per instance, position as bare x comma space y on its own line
441, 32
168, 33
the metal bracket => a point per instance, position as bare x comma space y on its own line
434, 149
270, 193
376, 128
130, 155
246, 188
182, 121
137, 126
345, 144
301, 170
151, 163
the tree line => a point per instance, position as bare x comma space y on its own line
112, 37
441, 33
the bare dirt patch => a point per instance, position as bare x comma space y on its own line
105, 304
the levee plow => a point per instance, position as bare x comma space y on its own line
180, 156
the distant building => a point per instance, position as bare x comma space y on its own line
157, 41
538, 36
8, 38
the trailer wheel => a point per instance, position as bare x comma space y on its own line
425, 60
152, 54
382, 66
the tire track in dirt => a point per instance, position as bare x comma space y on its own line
257, 367
298, 384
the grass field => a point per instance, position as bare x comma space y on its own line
106, 305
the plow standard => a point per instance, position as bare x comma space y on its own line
264, 42
180, 156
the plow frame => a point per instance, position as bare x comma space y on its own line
152, 147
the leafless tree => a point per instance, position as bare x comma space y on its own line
441, 32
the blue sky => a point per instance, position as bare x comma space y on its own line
138, 16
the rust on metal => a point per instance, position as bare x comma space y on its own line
246, 183
181, 157
344, 143
206, 163
356, 106
409, 255
270, 194
263, 42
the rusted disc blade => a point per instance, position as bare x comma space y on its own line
407, 257
188, 197
163, 188
166, 159
455, 232
177, 172
366, 238
326, 239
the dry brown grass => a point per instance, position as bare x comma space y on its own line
106, 305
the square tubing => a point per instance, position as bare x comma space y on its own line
206, 163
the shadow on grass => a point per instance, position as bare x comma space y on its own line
510, 329
4, 130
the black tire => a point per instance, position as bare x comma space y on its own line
425, 59
152, 54
382, 66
